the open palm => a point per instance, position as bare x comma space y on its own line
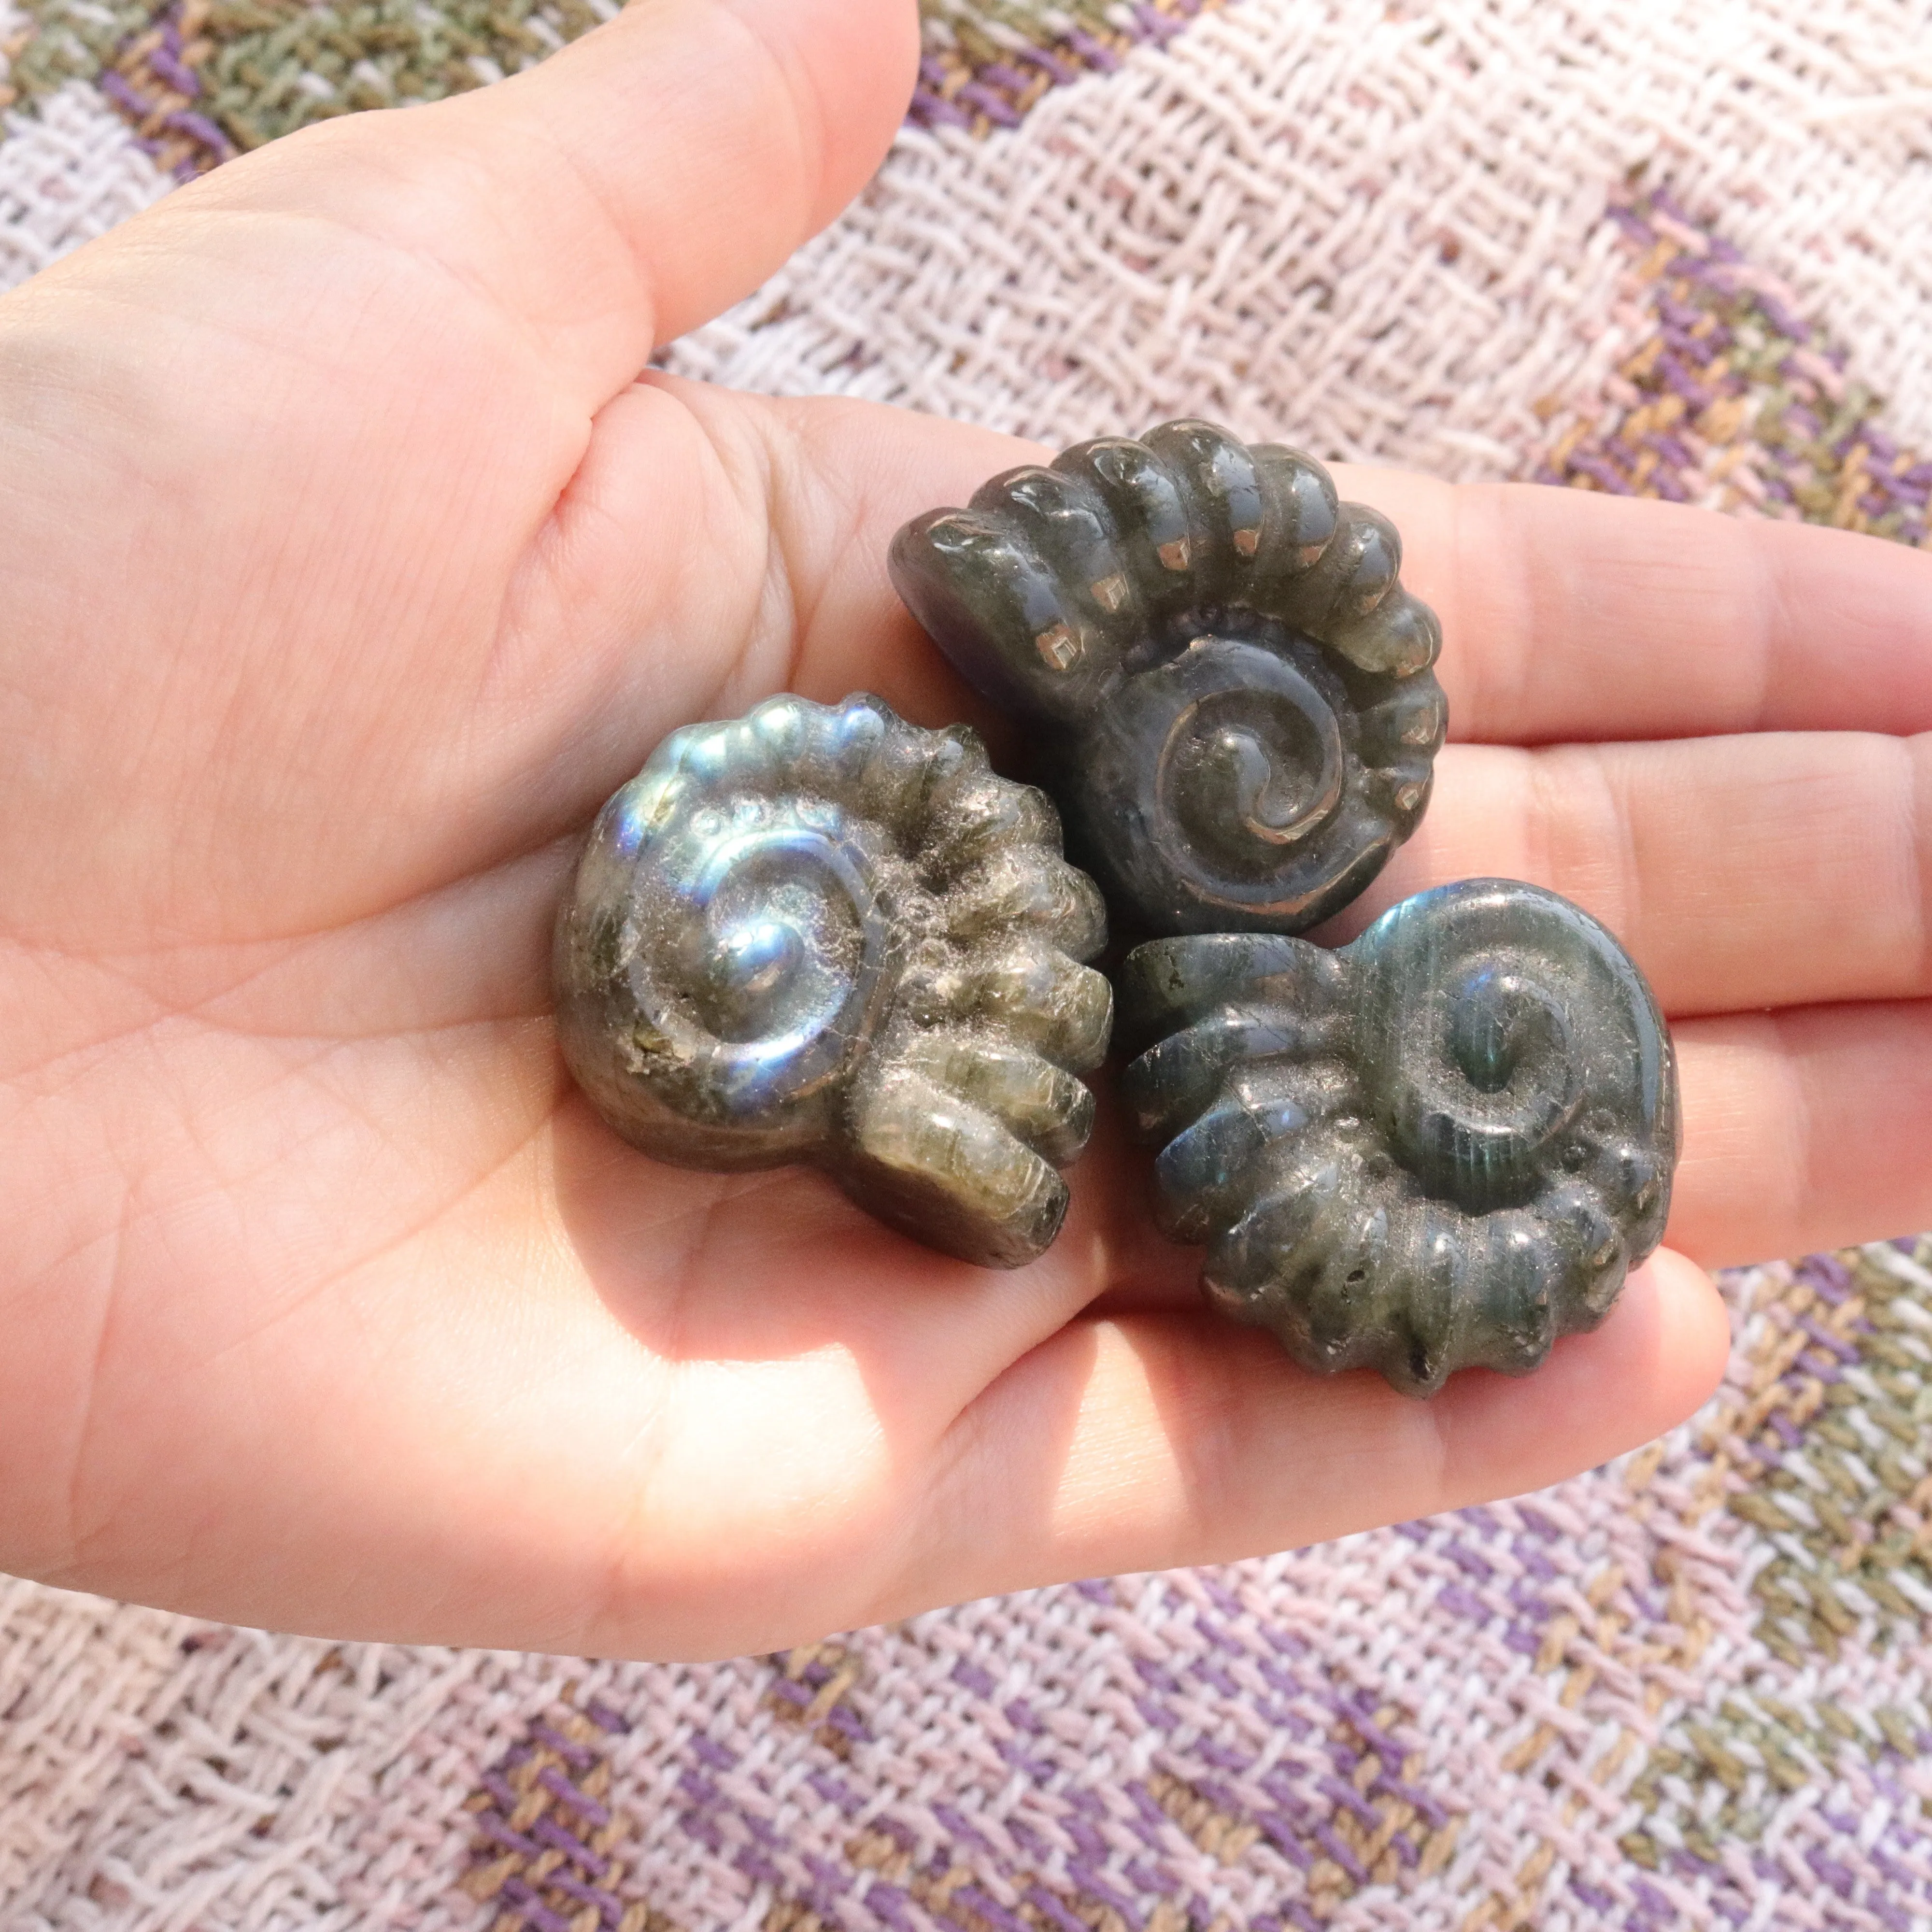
351, 560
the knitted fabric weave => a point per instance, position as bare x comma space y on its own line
1648, 246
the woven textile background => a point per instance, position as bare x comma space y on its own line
1678, 247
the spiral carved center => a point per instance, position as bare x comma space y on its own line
1272, 809
1476, 1113
1499, 1021
754, 963
1272, 785
782, 947
1251, 763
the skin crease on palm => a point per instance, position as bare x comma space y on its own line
352, 558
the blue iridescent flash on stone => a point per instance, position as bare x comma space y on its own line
819, 934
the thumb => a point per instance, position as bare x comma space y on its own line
631, 187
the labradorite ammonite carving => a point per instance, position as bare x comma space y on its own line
1229, 689
1440, 1146
822, 934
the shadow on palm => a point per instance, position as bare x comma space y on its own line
778, 1265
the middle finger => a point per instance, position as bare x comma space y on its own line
1778, 869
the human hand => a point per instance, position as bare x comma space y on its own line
353, 559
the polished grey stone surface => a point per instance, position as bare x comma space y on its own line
1441, 1145
1227, 688
822, 934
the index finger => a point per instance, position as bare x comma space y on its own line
1567, 616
